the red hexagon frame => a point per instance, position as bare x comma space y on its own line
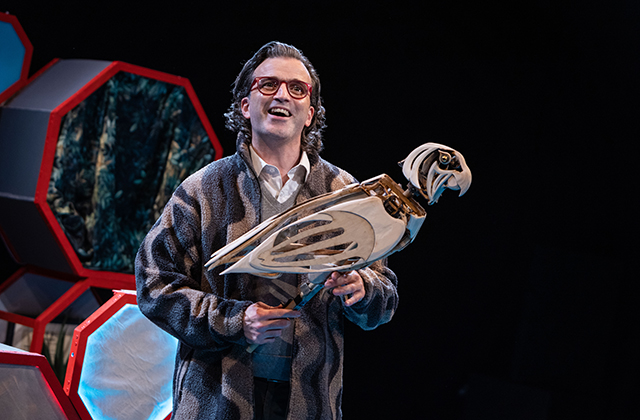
39, 361
39, 323
79, 345
52, 132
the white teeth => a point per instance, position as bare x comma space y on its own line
280, 111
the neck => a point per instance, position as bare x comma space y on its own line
282, 155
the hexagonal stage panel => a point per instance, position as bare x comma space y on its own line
92, 150
15, 56
29, 389
34, 297
121, 364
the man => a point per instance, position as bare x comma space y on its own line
296, 371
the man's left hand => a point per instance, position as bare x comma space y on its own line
348, 284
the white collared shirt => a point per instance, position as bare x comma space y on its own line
270, 176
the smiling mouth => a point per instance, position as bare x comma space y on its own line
279, 112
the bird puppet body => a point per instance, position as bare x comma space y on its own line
346, 229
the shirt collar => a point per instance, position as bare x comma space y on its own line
259, 164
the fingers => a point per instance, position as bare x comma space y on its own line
264, 311
355, 297
337, 279
349, 285
264, 323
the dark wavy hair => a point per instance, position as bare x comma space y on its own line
311, 136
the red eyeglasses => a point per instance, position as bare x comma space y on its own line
268, 86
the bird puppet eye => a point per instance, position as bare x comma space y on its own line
444, 158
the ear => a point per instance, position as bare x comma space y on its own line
310, 115
244, 107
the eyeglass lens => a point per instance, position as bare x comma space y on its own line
269, 86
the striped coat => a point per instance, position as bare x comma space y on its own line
213, 376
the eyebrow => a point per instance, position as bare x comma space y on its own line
285, 80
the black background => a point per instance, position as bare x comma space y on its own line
518, 300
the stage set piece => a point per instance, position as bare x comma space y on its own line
349, 228
15, 56
29, 389
90, 153
34, 297
92, 150
121, 364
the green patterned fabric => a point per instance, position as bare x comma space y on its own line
120, 155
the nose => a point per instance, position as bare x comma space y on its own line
283, 91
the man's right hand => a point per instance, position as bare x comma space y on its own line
264, 323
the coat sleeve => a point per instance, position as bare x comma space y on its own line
381, 297
169, 281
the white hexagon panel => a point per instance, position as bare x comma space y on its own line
121, 364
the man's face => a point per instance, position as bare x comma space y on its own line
279, 117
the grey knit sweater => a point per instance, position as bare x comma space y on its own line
213, 376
